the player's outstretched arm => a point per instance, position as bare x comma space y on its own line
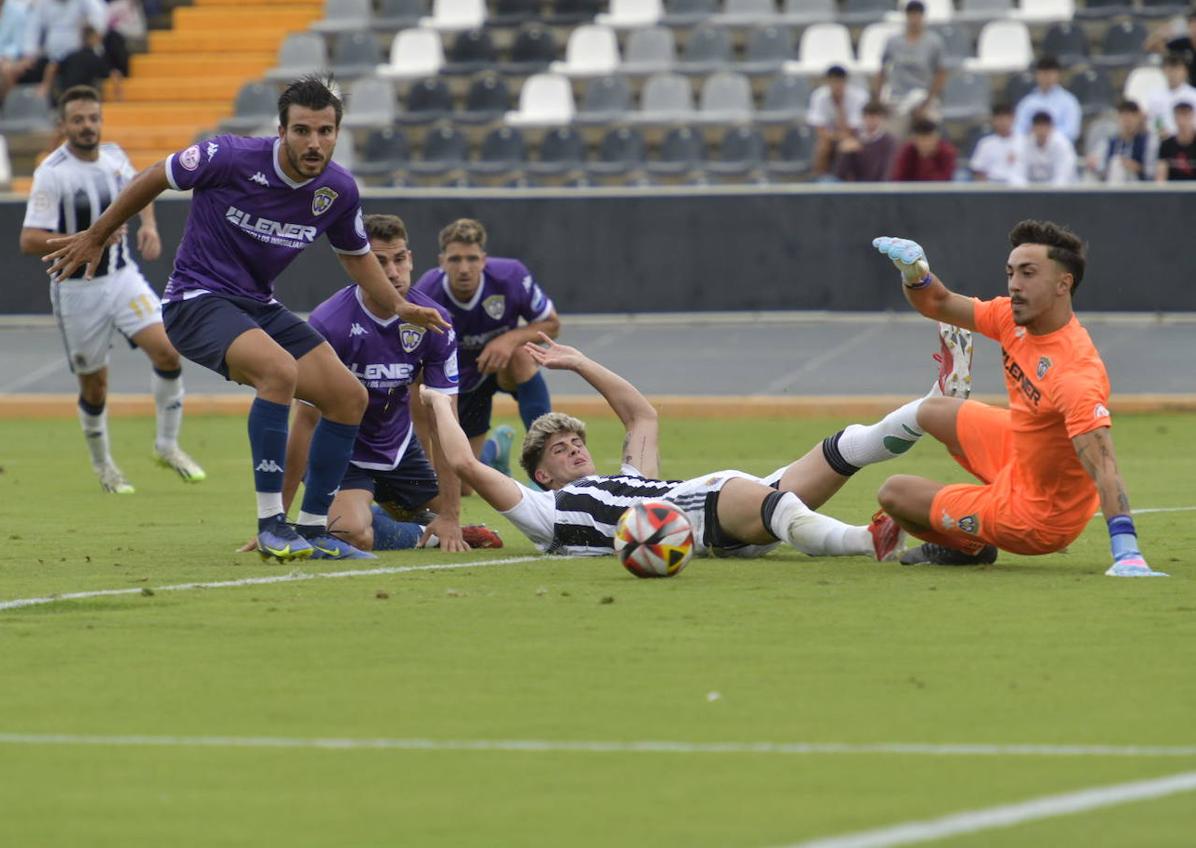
1095, 450
496, 488
84, 249
641, 447
924, 291
366, 271
447, 524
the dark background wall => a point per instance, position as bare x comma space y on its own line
809, 250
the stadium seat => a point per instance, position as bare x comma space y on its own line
971, 139
371, 104
606, 100
768, 49
256, 106
620, 152
301, 53
785, 100
345, 152
966, 95
864, 11
472, 51
802, 12
544, 100
344, 16
444, 151
562, 151
726, 98
1097, 9
681, 154
1143, 84
572, 12
26, 111
503, 153
629, 14
592, 50
795, 153
821, 46
1122, 45
428, 100
872, 45
1043, 11
1067, 42
394, 15
414, 53
1161, 8
1018, 86
488, 99
741, 153
688, 12
384, 152
666, 98
649, 51
707, 50
985, 10
356, 54
450, 15
746, 13
514, 12
957, 43
1093, 88
1004, 47
937, 11
533, 50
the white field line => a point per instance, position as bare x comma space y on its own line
289, 577
539, 746
1035, 809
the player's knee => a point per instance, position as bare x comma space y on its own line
892, 493
94, 387
278, 374
361, 538
936, 415
166, 360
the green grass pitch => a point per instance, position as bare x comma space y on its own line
1043, 650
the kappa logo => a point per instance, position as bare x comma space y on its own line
1100, 411
1018, 332
969, 524
260, 179
322, 200
1044, 365
527, 283
358, 330
269, 466
410, 336
213, 148
947, 521
189, 158
495, 306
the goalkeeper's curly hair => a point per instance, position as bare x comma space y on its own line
542, 429
1063, 246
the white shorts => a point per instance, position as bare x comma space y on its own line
89, 310
690, 498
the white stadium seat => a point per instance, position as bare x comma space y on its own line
872, 45
452, 15
414, 53
545, 100
592, 51
1004, 47
821, 46
1042, 11
629, 14
1143, 84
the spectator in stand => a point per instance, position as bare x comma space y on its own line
1049, 97
1161, 110
13, 15
53, 31
1177, 155
1125, 157
836, 112
1048, 156
1166, 40
995, 159
926, 157
912, 74
868, 156
89, 65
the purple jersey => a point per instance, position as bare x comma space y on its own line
385, 355
507, 293
249, 220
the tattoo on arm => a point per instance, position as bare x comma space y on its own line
626, 449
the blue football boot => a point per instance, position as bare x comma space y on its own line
496, 451
327, 546
277, 539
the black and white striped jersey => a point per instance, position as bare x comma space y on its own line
588, 509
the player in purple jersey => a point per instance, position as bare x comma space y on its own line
487, 297
256, 203
388, 465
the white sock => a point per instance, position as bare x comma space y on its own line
307, 519
95, 432
168, 398
269, 504
818, 535
893, 435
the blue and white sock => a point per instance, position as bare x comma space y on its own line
327, 459
392, 535
533, 399
268, 422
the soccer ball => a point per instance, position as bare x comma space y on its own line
654, 539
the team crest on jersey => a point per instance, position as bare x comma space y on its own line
1100, 411
1044, 365
359, 223
321, 201
410, 336
189, 158
969, 524
495, 306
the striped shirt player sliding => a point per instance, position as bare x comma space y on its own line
73, 187
256, 203
733, 513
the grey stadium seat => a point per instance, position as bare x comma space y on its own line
445, 150
1095, 9
708, 49
620, 152
966, 95
801, 12
688, 12
503, 152
573, 12
1066, 42
26, 111
768, 49
666, 98
472, 50
726, 97
746, 12
795, 153
394, 15
1093, 88
785, 100
957, 42
356, 54
1122, 45
371, 103
344, 16
488, 99
682, 152
606, 100
508, 13
983, 10
741, 152
256, 106
534, 49
561, 151
427, 100
1161, 8
1018, 86
301, 53
864, 11
384, 152
649, 51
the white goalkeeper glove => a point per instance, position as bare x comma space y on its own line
909, 257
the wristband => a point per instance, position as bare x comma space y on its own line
1122, 537
921, 284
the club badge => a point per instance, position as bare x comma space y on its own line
321, 201
1044, 365
410, 336
495, 306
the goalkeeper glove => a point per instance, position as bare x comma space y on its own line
909, 257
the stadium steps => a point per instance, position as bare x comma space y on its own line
186, 83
